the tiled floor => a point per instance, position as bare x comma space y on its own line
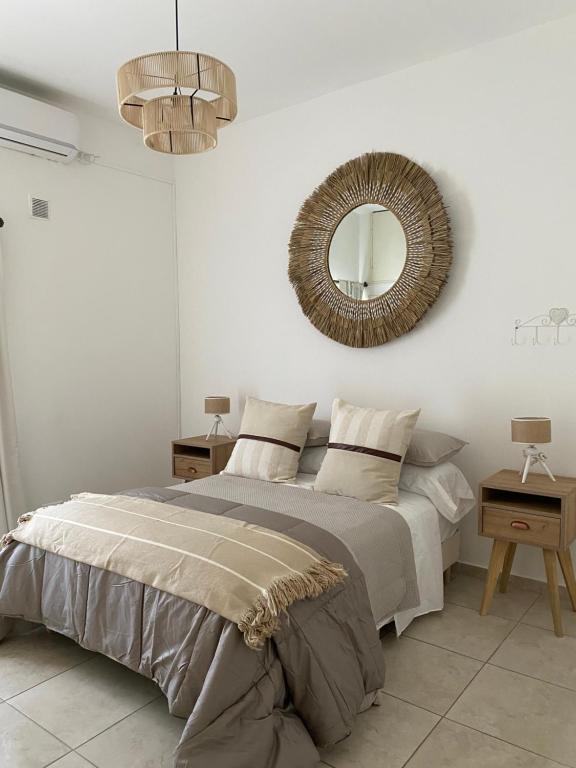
461, 692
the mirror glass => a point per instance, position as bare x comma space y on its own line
367, 252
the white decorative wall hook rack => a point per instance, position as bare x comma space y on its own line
551, 328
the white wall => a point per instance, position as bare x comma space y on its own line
495, 126
92, 312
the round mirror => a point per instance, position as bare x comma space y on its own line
399, 257
367, 252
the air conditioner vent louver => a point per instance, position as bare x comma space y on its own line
39, 208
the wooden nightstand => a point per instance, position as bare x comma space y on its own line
196, 457
539, 512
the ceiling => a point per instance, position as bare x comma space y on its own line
282, 51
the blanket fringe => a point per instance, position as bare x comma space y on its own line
8, 538
262, 619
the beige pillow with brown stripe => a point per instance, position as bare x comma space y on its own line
365, 452
271, 438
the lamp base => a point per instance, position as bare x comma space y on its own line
214, 428
533, 456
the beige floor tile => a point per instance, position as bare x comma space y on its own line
467, 591
454, 746
30, 659
80, 703
528, 713
539, 653
72, 760
146, 739
539, 615
23, 744
383, 737
424, 674
461, 630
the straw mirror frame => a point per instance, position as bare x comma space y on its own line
410, 193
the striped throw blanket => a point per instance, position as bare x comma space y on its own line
241, 571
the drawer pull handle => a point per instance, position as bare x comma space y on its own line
520, 525
192, 469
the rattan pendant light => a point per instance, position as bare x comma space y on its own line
193, 96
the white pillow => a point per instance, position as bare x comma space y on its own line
444, 485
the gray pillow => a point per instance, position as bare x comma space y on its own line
318, 433
429, 448
311, 459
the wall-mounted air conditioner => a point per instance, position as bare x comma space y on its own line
31, 126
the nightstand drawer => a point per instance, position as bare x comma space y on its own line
542, 530
197, 457
192, 467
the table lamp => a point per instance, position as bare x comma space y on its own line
217, 405
531, 430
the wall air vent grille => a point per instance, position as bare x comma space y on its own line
39, 209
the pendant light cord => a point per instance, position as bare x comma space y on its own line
177, 32
177, 38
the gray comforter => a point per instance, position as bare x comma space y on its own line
244, 708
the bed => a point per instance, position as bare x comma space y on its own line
246, 708
435, 541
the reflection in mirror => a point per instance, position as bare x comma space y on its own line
367, 252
